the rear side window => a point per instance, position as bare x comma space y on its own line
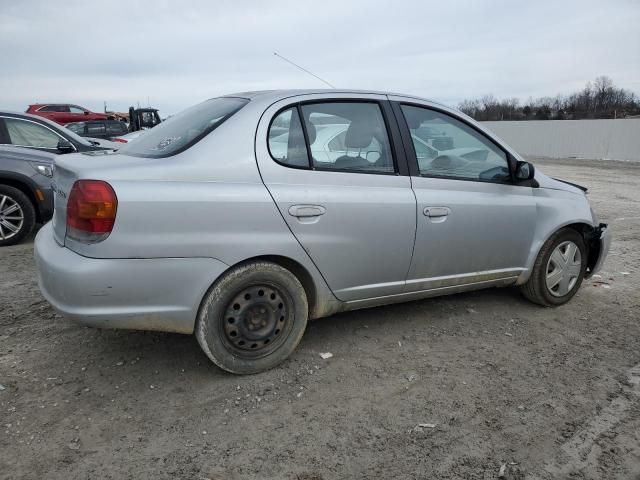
30, 134
184, 129
95, 128
54, 108
340, 136
286, 139
76, 127
116, 128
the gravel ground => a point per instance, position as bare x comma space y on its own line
493, 379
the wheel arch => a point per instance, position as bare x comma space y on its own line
317, 306
585, 229
591, 241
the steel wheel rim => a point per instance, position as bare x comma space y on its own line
257, 320
563, 269
11, 217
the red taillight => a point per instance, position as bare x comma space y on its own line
91, 210
121, 140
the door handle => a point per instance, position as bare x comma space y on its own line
436, 212
301, 211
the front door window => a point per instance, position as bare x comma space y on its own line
447, 147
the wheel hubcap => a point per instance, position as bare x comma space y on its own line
255, 319
11, 217
563, 269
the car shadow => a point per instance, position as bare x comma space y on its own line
171, 355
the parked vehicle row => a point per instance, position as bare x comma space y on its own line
244, 216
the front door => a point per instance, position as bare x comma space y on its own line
474, 225
349, 207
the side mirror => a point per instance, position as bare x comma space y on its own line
65, 147
86, 113
525, 171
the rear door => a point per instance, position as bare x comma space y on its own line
474, 225
354, 213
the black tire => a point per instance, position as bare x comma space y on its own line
261, 304
536, 289
27, 210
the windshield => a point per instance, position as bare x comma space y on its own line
184, 129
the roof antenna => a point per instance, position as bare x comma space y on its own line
303, 69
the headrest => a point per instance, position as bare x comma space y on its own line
359, 134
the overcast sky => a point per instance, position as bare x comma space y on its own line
182, 52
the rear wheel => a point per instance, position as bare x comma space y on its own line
252, 318
17, 215
558, 270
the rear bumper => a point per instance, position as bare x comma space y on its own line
601, 241
143, 294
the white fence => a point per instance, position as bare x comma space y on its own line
594, 139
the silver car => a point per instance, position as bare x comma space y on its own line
244, 216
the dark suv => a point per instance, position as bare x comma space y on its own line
107, 129
26, 196
24, 130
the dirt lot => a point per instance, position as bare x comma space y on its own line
549, 393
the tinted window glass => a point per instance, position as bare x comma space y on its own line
96, 128
76, 127
286, 140
54, 108
30, 134
184, 129
116, 128
448, 147
73, 109
348, 136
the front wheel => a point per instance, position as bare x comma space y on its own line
559, 269
252, 318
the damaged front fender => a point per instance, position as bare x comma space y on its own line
598, 241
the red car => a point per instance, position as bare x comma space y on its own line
64, 113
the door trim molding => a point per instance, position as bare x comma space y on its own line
432, 292
436, 284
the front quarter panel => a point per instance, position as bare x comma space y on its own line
555, 209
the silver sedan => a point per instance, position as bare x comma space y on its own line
244, 216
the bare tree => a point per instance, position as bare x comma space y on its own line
600, 99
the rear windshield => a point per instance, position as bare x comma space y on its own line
182, 130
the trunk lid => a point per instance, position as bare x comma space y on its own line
104, 165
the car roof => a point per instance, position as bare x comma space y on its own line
285, 93
21, 153
54, 104
93, 121
28, 116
